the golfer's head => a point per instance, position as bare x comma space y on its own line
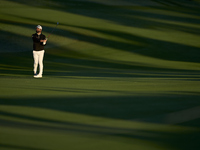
39, 28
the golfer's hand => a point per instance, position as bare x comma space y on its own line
43, 40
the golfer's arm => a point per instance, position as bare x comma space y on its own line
45, 40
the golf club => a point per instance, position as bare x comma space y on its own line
53, 30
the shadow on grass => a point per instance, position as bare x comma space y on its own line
20, 64
118, 107
121, 107
69, 62
118, 13
11, 146
172, 139
11, 42
114, 107
146, 46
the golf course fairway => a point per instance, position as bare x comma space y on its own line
118, 75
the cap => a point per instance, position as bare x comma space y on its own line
39, 27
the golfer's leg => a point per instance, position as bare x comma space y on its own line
41, 56
35, 56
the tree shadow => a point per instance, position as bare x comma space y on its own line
12, 146
123, 15
114, 107
117, 107
146, 46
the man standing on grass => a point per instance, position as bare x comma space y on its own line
39, 41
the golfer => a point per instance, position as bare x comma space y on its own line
39, 41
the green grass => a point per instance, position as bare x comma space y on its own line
117, 75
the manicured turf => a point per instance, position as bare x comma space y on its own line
118, 75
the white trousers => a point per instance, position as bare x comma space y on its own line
38, 59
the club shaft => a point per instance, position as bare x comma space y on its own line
52, 30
